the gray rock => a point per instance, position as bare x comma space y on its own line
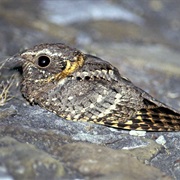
98, 161
24, 161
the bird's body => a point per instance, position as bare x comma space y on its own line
82, 87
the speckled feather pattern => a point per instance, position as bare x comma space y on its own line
81, 87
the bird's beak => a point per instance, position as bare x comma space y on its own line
12, 62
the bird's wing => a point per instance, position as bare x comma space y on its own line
155, 116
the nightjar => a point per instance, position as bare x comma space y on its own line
82, 87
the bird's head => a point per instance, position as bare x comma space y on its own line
50, 62
45, 65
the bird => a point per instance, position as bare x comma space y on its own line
82, 87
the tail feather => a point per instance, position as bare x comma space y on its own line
155, 119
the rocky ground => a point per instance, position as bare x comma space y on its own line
141, 39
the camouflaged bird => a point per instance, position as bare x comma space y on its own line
82, 87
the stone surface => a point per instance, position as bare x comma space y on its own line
92, 160
23, 161
141, 39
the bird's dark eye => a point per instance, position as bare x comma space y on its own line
43, 61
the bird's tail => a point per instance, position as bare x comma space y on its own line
155, 119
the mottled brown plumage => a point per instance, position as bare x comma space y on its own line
81, 87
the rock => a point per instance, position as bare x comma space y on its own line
145, 153
105, 163
24, 161
7, 112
